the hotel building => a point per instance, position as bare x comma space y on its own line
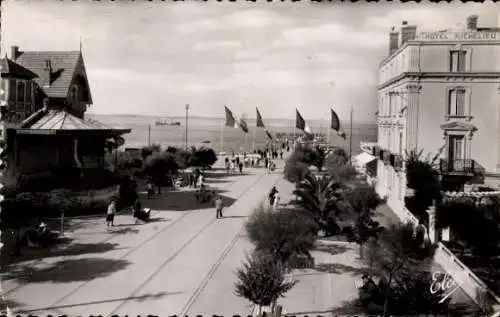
439, 92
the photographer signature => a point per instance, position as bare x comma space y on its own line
444, 283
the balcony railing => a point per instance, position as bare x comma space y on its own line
457, 166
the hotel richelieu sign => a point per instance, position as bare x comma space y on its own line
459, 36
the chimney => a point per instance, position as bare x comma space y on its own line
46, 73
45, 104
393, 41
472, 22
408, 32
14, 52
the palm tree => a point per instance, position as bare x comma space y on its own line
320, 198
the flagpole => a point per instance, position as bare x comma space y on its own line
222, 137
245, 142
350, 137
253, 139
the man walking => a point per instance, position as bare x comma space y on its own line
218, 207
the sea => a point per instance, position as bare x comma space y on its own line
210, 132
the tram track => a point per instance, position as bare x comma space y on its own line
142, 244
178, 251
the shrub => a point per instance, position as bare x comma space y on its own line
149, 150
320, 199
261, 280
281, 234
465, 218
159, 165
423, 178
202, 157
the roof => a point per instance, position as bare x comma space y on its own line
63, 68
53, 121
9, 67
364, 158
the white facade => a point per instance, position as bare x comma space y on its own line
440, 91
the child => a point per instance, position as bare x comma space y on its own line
110, 216
218, 207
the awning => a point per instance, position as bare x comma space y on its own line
364, 158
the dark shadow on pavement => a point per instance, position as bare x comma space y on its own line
70, 250
157, 219
216, 181
66, 271
183, 201
123, 230
209, 176
332, 249
348, 308
228, 217
338, 268
139, 298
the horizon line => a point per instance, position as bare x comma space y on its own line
207, 117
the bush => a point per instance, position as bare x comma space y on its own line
466, 219
281, 234
149, 150
261, 280
203, 157
159, 165
423, 178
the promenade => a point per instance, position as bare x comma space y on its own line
182, 262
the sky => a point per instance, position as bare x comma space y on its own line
147, 58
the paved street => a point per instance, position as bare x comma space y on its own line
183, 262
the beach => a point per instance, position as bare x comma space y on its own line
209, 132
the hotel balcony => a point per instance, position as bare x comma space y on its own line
457, 167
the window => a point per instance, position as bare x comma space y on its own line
457, 61
456, 102
390, 105
456, 149
400, 143
20, 91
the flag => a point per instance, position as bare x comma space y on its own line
269, 134
230, 120
243, 125
335, 124
300, 123
260, 122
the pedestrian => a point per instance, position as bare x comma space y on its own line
241, 167
110, 215
137, 207
218, 207
276, 200
233, 167
150, 191
271, 195
281, 154
228, 167
253, 162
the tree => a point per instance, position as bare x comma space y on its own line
16, 212
423, 178
316, 157
397, 255
149, 150
261, 280
361, 202
203, 157
465, 217
281, 234
61, 199
160, 164
320, 198
183, 157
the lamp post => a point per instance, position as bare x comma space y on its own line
187, 114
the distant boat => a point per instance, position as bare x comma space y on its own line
167, 123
